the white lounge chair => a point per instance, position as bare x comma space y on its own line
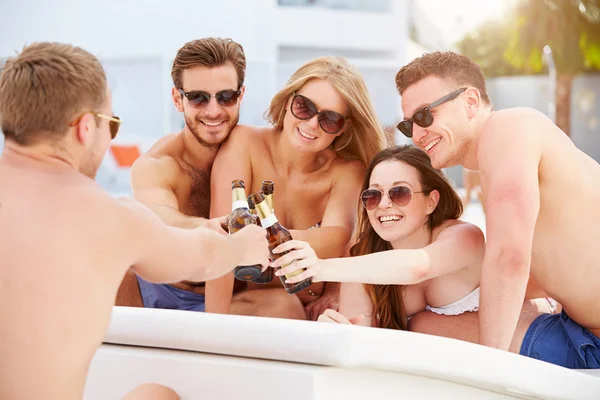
211, 356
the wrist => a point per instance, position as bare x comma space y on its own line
321, 276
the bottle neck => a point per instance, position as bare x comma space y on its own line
267, 218
269, 200
238, 197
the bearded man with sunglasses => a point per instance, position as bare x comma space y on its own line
173, 177
65, 243
539, 242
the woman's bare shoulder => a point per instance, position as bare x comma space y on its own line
348, 169
461, 230
248, 136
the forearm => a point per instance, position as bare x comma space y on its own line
503, 288
218, 294
393, 267
327, 241
212, 255
173, 254
173, 217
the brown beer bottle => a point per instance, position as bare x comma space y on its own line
240, 217
267, 191
267, 275
277, 234
252, 209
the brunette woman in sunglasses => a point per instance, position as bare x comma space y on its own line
324, 133
412, 253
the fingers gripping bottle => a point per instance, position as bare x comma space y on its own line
267, 275
240, 217
276, 235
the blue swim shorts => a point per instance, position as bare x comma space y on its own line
557, 339
166, 296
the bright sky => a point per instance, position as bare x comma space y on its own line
458, 17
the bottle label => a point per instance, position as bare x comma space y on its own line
297, 272
268, 221
239, 204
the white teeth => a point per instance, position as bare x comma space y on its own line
306, 135
212, 123
389, 218
430, 145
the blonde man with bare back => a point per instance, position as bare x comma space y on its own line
542, 195
65, 243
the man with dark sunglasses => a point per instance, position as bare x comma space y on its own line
543, 219
173, 177
65, 244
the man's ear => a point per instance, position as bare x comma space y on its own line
177, 99
85, 128
473, 101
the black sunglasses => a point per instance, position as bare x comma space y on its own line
399, 195
330, 121
423, 117
198, 98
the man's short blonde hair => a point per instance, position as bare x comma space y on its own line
47, 86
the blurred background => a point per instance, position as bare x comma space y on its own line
543, 54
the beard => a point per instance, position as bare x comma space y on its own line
210, 141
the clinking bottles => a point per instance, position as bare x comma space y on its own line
239, 218
267, 275
277, 234
267, 191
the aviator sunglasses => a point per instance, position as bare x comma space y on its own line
330, 121
198, 98
114, 122
423, 117
399, 195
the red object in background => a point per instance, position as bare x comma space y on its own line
125, 155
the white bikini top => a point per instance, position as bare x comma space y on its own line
467, 304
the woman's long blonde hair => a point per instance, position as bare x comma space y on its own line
365, 136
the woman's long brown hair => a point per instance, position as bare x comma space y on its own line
388, 303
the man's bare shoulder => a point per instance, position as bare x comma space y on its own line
165, 145
514, 123
517, 124
160, 161
509, 129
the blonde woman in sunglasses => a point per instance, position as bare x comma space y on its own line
412, 252
324, 133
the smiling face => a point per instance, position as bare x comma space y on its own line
393, 222
448, 138
307, 135
210, 123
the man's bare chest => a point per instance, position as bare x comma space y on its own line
193, 193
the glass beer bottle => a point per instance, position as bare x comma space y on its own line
267, 275
267, 191
277, 234
240, 217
